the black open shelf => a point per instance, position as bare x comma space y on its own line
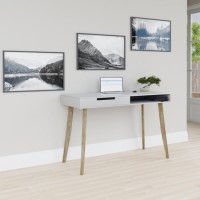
158, 98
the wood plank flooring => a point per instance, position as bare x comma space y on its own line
133, 175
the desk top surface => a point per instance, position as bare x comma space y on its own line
99, 100
123, 94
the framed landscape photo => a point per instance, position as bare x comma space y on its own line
33, 71
150, 34
100, 52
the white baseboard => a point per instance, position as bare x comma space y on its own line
53, 156
197, 121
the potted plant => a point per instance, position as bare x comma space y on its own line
147, 82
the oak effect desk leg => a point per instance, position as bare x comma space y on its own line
143, 130
84, 123
162, 126
68, 132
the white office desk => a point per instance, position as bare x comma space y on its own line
99, 100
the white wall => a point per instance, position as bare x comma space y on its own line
35, 121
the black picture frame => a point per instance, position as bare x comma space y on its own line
162, 44
58, 83
119, 58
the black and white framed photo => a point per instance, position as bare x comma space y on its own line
150, 34
33, 71
100, 52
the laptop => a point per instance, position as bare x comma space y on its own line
112, 85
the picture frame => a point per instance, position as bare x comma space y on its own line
101, 52
150, 34
31, 71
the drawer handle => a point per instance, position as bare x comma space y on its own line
105, 98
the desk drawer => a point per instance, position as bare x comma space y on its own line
104, 102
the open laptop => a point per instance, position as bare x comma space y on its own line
112, 85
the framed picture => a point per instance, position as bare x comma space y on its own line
100, 52
25, 71
150, 34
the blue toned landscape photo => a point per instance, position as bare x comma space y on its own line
150, 35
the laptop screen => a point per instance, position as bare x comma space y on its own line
112, 84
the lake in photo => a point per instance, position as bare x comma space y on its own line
151, 44
33, 82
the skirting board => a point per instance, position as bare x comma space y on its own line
53, 156
194, 120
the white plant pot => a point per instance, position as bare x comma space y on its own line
145, 89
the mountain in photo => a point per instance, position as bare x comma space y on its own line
30, 63
115, 59
38, 69
12, 67
53, 60
87, 48
53, 68
89, 57
164, 32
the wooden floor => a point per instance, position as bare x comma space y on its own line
134, 175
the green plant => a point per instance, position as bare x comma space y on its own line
195, 45
147, 81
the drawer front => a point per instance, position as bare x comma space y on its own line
104, 102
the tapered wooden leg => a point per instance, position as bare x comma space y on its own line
84, 124
68, 132
162, 127
143, 130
